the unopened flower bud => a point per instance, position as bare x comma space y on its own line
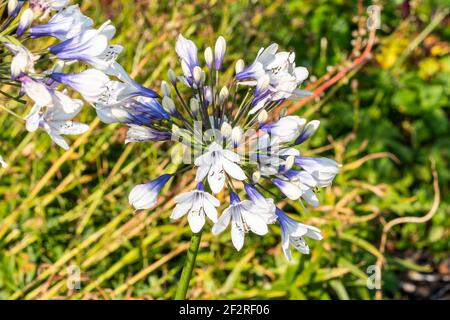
236, 136
226, 130
12, 5
262, 116
172, 76
240, 65
256, 176
289, 162
219, 52
209, 57
198, 75
26, 19
165, 89
193, 103
168, 105
223, 94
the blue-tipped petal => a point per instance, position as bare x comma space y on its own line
253, 194
234, 198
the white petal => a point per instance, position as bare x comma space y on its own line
310, 197
237, 236
180, 210
33, 118
69, 127
256, 223
59, 140
141, 197
183, 197
203, 160
213, 200
196, 221
216, 177
223, 222
301, 73
233, 170
64, 107
285, 244
232, 156
291, 190
202, 171
210, 210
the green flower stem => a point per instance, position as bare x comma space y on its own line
188, 266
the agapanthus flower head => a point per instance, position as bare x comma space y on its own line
233, 141
106, 83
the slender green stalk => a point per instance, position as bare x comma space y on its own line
188, 266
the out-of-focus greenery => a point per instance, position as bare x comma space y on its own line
59, 209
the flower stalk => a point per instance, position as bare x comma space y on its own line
188, 266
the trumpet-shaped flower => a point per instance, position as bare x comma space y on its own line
322, 170
141, 133
90, 46
187, 52
145, 196
294, 233
243, 219
215, 163
23, 61
196, 204
56, 120
284, 76
134, 111
286, 129
91, 83
64, 25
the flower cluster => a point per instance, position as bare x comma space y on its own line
228, 139
103, 82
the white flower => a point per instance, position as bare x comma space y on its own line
214, 163
23, 60
91, 83
308, 130
264, 207
66, 24
323, 170
56, 119
137, 133
187, 52
145, 196
12, 5
196, 204
293, 232
286, 129
26, 19
243, 219
284, 76
36, 90
90, 46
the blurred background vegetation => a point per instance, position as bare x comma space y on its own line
383, 120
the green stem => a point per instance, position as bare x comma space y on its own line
188, 266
